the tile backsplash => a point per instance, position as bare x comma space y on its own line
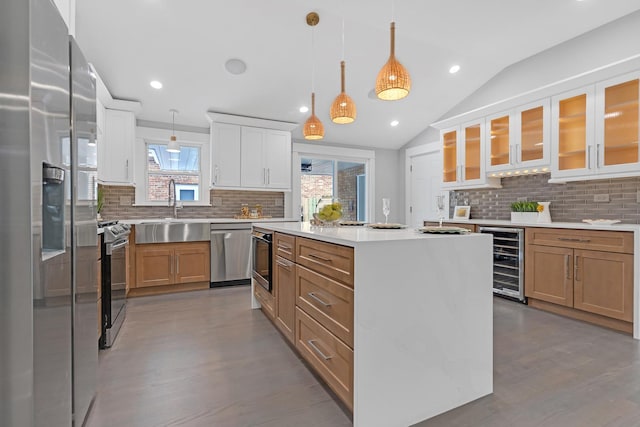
118, 204
570, 202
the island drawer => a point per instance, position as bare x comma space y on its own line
330, 303
284, 245
329, 356
334, 261
266, 300
596, 240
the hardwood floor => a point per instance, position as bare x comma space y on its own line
205, 359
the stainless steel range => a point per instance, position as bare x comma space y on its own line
114, 279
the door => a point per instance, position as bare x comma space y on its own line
450, 156
192, 262
253, 172
425, 179
604, 283
225, 155
154, 265
617, 120
277, 154
499, 142
572, 131
285, 291
549, 274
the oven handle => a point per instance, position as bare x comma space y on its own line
112, 247
262, 239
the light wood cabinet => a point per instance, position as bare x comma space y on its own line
164, 264
313, 306
285, 279
589, 271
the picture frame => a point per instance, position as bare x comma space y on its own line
461, 213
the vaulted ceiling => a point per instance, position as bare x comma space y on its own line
185, 44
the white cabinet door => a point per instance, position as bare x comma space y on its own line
225, 155
277, 156
532, 136
253, 171
115, 158
572, 134
617, 126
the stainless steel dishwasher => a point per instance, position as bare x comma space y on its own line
230, 254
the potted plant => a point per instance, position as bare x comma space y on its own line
100, 202
524, 212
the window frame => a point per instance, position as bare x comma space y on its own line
146, 136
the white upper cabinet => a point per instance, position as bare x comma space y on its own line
572, 133
617, 131
115, 153
265, 158
248, 153
596, 130
463, 158
225, 155
519, 139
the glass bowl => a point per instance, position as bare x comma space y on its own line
328, 212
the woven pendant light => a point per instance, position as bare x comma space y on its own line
393, 80
343, 109
313, 128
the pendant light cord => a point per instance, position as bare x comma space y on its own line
313, 59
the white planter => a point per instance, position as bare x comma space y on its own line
524, 217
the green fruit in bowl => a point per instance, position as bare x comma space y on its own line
330, 212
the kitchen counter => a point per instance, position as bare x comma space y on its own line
422, 320
205, 220
573, 225
354, 236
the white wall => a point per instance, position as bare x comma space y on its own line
389, 183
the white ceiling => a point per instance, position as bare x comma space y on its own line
185, 44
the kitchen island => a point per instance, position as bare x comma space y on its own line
421, 338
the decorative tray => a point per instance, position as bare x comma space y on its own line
443, 230
601, 221
352, 223
387, 226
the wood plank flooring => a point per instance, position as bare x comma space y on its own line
205, 359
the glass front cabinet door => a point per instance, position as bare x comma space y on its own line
519, 139
463, 157
617, 117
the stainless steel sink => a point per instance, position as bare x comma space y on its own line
171, 231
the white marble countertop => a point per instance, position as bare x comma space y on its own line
353, 235
574, 225
205, 220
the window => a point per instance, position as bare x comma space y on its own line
332, 172
155, 167
182, 167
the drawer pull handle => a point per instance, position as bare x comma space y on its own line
315, 297
284, 247
576, 268
284, 265
321, 258
569, 239
317, 350
566, 267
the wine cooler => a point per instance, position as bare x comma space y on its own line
508, 261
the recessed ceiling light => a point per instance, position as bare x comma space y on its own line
156, 84
394, 123
454, 69
235, 66
304, 109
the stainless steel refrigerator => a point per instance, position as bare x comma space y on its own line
48, 242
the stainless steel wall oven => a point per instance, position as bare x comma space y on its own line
261, 266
